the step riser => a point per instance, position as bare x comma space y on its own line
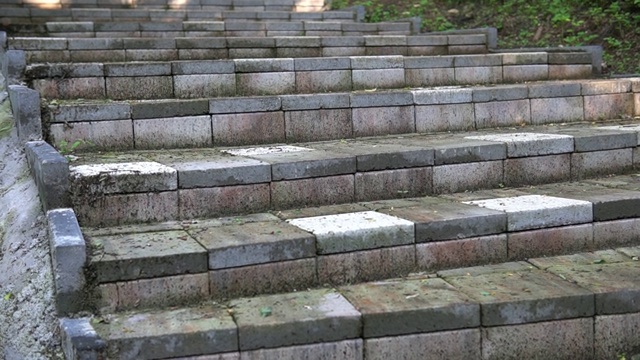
243, 77
105, 6
88, 15
239, 28
42, 50
300, 118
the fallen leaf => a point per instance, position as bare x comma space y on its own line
265, 311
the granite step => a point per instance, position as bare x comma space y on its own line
177, 262
69, 19
282, 76
578, 306
180, 28
283, 39
139, 186
251, 121
246, 5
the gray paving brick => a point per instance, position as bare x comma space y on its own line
203, 67
308, 164
381, 99
442, 96
251, 104
146, 255
168, 108
376, 62
437, 220
420, 62
521, 295
315, 101
254, 243
140, 69
328, 317
502, 93
205, 329
317, 64
203, 168
411, 306
263, 65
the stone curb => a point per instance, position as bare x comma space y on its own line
25, 104
51, 173
68, 256
80, 341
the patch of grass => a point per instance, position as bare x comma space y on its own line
6, 120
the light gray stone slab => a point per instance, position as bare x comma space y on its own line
356, 231
446, 95
531, 144
296, 318
307, 164
539, 211
255, 151
254, 243
118, 178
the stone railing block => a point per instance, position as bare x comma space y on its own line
68, 256
25, 104
51, 173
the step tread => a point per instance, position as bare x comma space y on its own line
513, 293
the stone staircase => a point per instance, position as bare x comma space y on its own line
248, 181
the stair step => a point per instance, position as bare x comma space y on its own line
64, 18
251, 121
281, 76
178, 262
54, 8
573, 306
283, 40
114, 189
197, 28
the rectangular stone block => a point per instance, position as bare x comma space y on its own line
457, 344
180, 132
204, 85
390, 184
449, 254
342, 350
101, 135
263, 65
568, 72
386, 50
471, 176
452, 95
616, 335
502, 113
605, 107
375, 121
459, 151
71, 88
378, 78
370, 265
275, 277
312, 192
554, 89
501, 93
556, 109
163, 291
550, 242
113, 210
248, 128
323, 81
225, 200
239, 105
442, 118
430, 77
318, 125
537, 170
139, 87
298, 52
315, 101
600, 163
168, 108
239, 53
601, 87
522, 73
564, 339
266, 83
343, 51
478, 75
609, 234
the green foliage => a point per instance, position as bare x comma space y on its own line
539, 23
67, 148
